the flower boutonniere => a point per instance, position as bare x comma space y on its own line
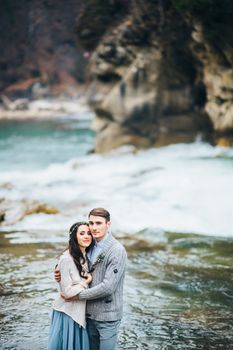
99, 258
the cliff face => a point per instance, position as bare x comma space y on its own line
39, 45
163, 74
161, 70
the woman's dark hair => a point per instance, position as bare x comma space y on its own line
74, 248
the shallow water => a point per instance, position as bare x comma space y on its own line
178, 291
174, 207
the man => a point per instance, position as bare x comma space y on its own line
105, 297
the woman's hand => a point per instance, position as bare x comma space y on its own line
89, 278
74, 298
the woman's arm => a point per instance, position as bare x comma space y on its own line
67, 286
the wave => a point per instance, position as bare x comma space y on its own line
182, 188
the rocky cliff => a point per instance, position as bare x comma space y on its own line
162, 72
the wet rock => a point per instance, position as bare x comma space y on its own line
44, 108
224, 141
2, 216
18, 104
13, 211
218, 81
6, 185
36, 208
114, 136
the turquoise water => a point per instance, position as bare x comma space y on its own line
182, 187
171, 207
37, 144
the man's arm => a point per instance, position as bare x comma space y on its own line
115, 268
57, 274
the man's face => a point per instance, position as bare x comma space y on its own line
98, 226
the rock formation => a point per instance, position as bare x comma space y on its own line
13, 211
160, 70
163, 74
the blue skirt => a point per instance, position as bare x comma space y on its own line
66, 334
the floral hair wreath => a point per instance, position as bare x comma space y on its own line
75, 226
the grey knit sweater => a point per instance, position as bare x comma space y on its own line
105, 295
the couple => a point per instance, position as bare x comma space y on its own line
91, 270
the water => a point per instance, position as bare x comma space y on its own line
36, 144
186, 188
178, 291
182, 293
171, 207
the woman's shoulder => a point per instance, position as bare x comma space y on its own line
65, 256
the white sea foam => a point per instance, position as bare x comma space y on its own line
184, 188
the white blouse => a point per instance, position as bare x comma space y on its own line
70, 285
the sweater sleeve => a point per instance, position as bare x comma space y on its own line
68, 286
116, 265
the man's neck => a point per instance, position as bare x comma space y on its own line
102, 238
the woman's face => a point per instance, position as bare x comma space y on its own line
84, 237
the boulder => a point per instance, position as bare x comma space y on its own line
13, 211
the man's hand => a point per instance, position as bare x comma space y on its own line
75, 298
57, 275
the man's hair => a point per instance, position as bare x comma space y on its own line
100, 212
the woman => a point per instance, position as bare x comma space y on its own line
67, 330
